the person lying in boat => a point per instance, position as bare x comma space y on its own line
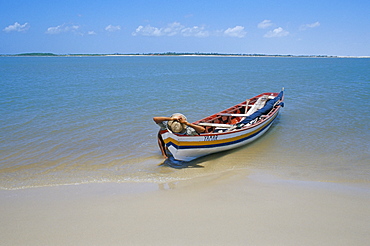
178, 123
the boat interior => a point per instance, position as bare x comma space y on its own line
226, 119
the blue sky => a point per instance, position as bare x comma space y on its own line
297, 27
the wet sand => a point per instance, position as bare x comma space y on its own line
231, 208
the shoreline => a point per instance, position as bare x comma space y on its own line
177, 55
272, 174
230, 208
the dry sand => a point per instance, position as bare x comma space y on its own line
231, 208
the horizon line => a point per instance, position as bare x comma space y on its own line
179, 54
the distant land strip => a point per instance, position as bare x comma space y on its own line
180, 54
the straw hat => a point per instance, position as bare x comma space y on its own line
176, 126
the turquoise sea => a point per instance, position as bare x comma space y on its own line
74, 120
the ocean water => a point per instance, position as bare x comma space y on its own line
74, 120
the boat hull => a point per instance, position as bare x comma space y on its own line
188, 148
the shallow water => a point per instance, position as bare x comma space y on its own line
72, 120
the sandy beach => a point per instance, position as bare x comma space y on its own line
240, 207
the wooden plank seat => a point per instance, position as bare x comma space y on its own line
215, 125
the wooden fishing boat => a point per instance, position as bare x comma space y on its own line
228, 129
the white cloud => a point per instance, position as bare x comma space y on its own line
170, 30
91, 33
62, 28
54, 30
147, 31
111, 28
237, 31
195, 31
276, 33
308, 26
17, 27
264, 24
177, 29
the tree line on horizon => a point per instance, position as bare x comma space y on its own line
167, 54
